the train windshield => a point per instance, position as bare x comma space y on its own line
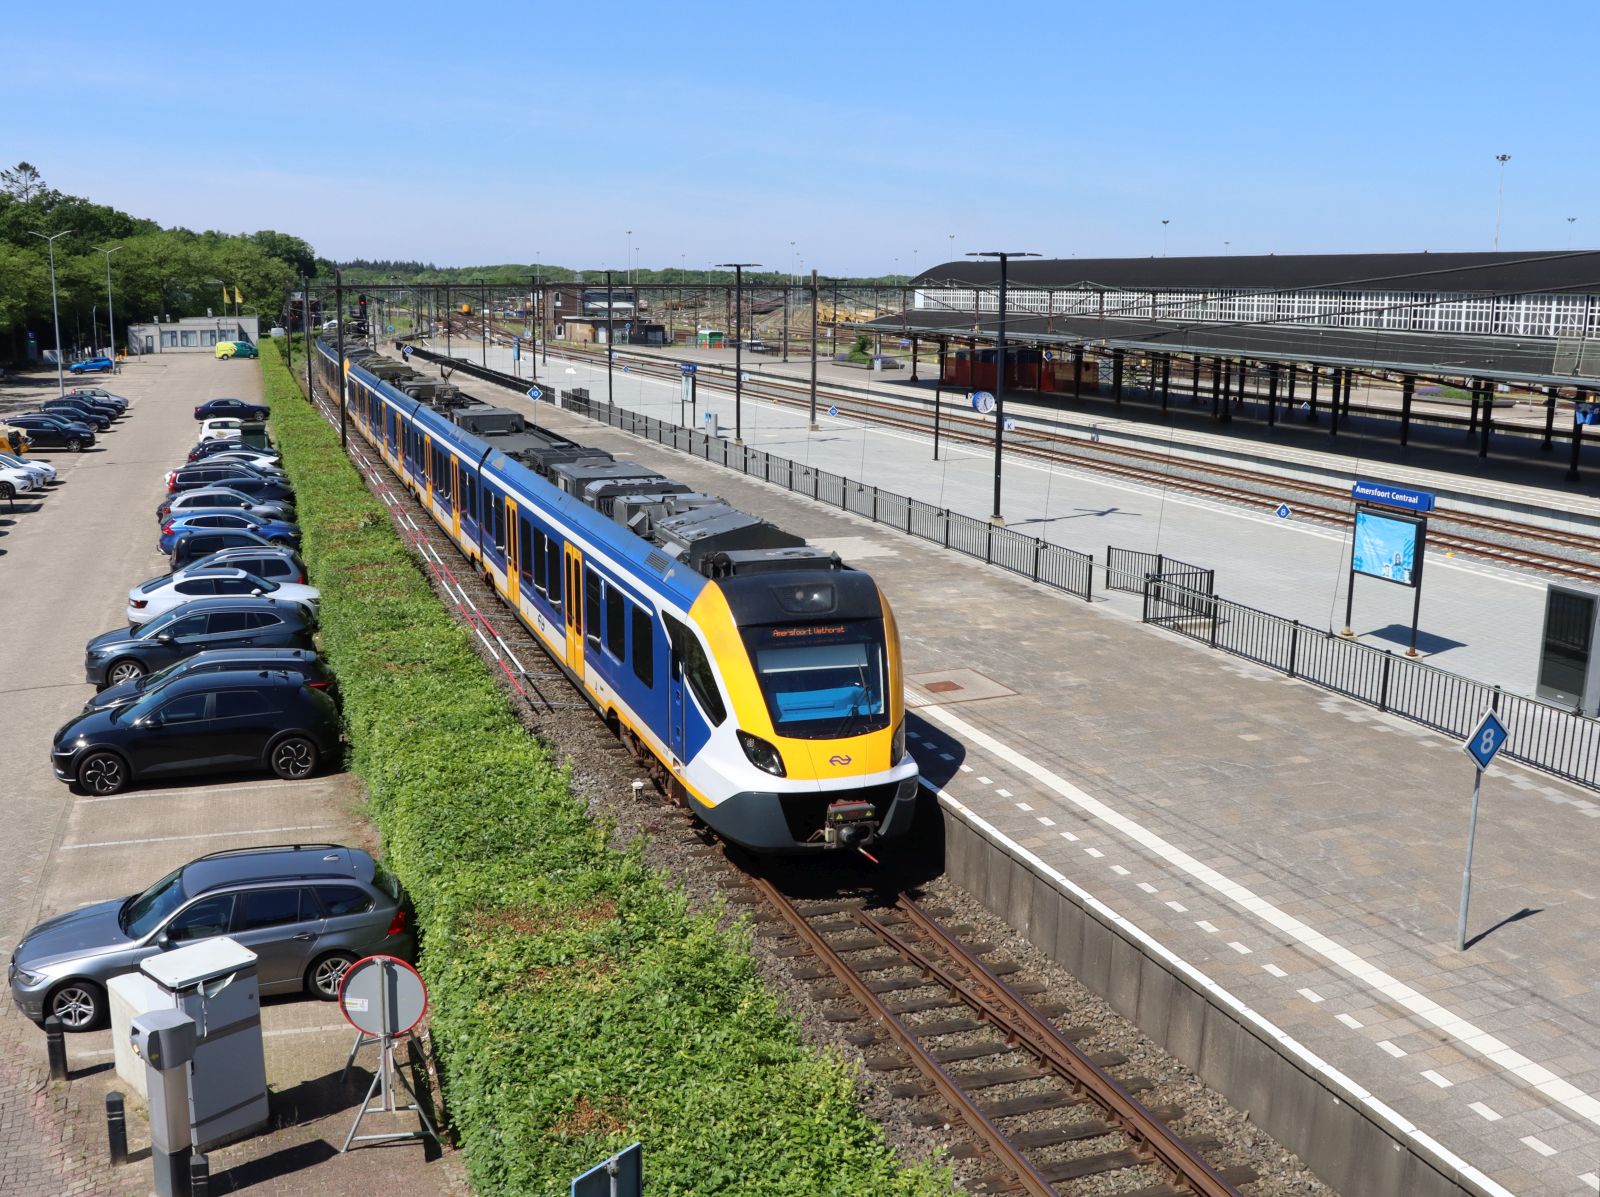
822, 681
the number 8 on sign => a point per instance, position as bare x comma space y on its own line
1487, 739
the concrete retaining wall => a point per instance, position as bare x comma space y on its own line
1345, 1135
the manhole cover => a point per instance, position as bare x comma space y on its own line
957, 685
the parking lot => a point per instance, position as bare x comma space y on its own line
67, 559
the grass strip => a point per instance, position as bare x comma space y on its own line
578, 1003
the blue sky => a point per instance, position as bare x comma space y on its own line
865, 134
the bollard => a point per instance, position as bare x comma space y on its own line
199, 1176
116, 1128
55, 1047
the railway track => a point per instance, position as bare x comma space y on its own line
1039, 1114
1326, 505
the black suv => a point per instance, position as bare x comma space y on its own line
287, 660
203, 542
201, 723
53, 431
79, 410
234, 621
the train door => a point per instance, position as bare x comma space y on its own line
675, 706
455, 498
425, 464
513, 552
574, 609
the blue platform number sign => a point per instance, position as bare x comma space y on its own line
982, 402
1283, 511
620, 1176
1487, 739
388, 328
834, 410
1008, 424
535, 394
625, 369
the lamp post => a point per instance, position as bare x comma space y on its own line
338, 306
111, 314
1164, 224
628, 261
738, 269
611, 342
55, 309
1570, 221
1004, 257
1500, 199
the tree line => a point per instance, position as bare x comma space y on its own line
156, 272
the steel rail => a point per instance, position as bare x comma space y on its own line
990, 1138
1011, 1013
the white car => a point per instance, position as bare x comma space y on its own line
219, 427
159, 595
16, 481
265, 463
43, 470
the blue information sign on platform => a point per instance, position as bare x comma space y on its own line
535, 394
687, 367
1488, 738
1392, 496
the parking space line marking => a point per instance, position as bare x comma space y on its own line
1470, 1036
208, 835
245, 785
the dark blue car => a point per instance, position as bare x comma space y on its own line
231, 407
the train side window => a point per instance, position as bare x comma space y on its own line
644, 646
591, 605
553, 569
616, 623
697, 670
525, 554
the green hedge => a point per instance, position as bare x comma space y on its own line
578, 1004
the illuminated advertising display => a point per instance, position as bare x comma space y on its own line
1387, 547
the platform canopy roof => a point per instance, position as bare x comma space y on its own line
1537, 360
1477, 273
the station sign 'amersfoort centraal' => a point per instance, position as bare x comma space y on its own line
1392, 496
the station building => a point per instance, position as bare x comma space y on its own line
192, 334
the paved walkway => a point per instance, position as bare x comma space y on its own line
1302, 851
66, 563
1476, 619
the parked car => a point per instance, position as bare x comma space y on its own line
227, 349
202, 542
119, 402
209, 473
273, 531
79, 410
53, 432
233, 444
198, 625
207, 723
266, 467
93, 402
295, 660
218, 498
156, 597
238, 409
14, 481
91, 365
277, 563
308, 911
43, 470
216, 428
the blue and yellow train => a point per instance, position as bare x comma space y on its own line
757, 677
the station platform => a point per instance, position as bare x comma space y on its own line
1476, 619
1302, 852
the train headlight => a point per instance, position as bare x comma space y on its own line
897, 746
761, 754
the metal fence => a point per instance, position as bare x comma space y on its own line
1548, 737
1178, 596
1027, 556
